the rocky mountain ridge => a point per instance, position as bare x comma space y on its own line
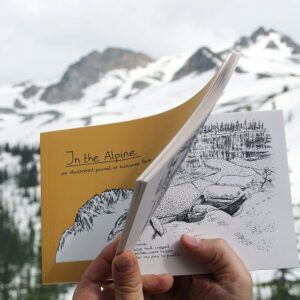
119, 84
88, 70
245, 41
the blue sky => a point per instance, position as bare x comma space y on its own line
40, 38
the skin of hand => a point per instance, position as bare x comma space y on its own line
128, 284
228, 279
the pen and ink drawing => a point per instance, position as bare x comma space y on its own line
102, 217
169, 172
172, 167
227, 174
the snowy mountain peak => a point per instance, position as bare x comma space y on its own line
124, 58
262, 38
89, 69
201, 61
291, 43
260, 31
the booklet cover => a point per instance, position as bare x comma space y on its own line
96, 166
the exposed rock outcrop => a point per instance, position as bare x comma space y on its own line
89, 69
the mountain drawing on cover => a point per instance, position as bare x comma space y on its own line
97, 222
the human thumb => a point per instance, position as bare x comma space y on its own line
127, 277
215, 254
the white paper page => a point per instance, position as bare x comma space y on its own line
233, 184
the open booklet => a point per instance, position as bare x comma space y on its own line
227, 178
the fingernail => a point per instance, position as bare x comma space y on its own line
124, 262
192, 241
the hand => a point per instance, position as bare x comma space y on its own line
128, 284
229, 278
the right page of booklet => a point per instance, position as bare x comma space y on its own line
233, 184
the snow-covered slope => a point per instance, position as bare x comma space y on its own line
269, 67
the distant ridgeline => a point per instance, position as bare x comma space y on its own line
247, 140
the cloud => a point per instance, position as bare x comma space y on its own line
40, 38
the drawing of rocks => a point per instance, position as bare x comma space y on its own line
219, 194
241, 181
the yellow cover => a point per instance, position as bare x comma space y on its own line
79, 163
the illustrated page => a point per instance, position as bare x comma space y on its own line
233, 184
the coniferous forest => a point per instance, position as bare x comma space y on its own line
20, 250
227, 140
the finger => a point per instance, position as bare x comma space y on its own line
127, 277
216, 254
108, 292
100, 268
152, 285
157, 284
87, 290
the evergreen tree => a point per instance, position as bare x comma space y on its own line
38, 291
26, 155
3, 175
28, 176
284, 286
12, 255
6, 147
